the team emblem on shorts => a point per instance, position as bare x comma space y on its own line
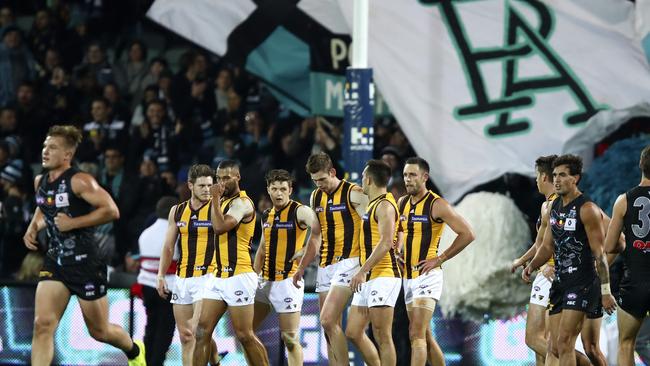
239, 293
373, 293
288, 299
572, 296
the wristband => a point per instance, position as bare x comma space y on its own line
604, 289
443, 258
160, 277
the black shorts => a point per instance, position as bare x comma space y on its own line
634, 298
585, 298
88, 281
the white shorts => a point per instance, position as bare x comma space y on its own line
428, 286
380, 291
238, 290
539, 293
189, 290
337, 274
282, 295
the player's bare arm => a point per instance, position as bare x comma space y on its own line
306, 220
240, 208
613, 244
592, 219
167, 253
86, 187
260, 256
313, 243
385, 214
544, 252
37, 224
539, 237
441, 209
359, 200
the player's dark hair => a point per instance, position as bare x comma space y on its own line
278, 175
378, 171
421, 163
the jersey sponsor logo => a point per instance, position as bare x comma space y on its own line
90, 293
365, 217
80, 257
193, 217
402, 218
284, 225
199, 268
288, 299
40, 200
266, 224
340, 207
239, 293
570, 224
201, 223
62, 200
181, 224
226, 269
572, 296
319, 209
572, 302
641, 245
419, 218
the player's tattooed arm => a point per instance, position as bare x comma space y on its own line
592, 219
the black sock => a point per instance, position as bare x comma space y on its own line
134, 352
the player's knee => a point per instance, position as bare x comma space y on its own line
328, 322
353, 334
44, 325
418, 343
245, 336
382, 334
290, 339
201, 333
416, 331
186, 336
531, 336
562, 344
551, 348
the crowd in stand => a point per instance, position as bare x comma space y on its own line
145, 118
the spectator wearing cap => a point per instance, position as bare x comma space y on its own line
159, 330
102, 131
16, 64
16, 210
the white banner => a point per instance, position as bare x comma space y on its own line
481, 88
